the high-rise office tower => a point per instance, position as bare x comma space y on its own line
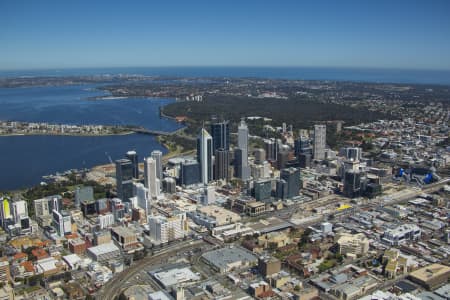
237, 163
260, 155
302, 145
62, 222
204, 156
45, 206
281, 189
152, 182
190, 172
352, 183
5, 212
157, 156
169, 185
320, 135
304, 160
271, 148
222, 163
133, 157
353, 153
220, 132
141, 193
263, 189
282, 158
124, 179
55, 203
292, 178
83, 193
241, 154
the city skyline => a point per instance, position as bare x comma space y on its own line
400, 35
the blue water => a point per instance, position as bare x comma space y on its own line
68, 105
25, 159
305, 73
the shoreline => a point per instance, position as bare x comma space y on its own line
66, 134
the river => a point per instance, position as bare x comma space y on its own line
25, 159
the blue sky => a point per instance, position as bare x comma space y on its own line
335, 33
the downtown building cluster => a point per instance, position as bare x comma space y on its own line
276, 217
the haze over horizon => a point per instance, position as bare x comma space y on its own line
351, 34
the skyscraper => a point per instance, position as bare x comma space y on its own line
204, 156
302, 146
124, 179
190, 172
263, 189
292, 178
157, 156
260, 155
133, 157
282, 158
281, 189
271, 148
241, 154
83, 193
55, 203
62, 222
169, 185
222, 163
320, 134
220, 132
142, 197
352, 183
152, 182
353, 153
5, 211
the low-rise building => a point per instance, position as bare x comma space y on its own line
77, 246
353, 245
432, 276
256, 208
125, 237
6, 292
260, 290
5, 274
164, 229
226, 259
402, 233
212, 216
228, 232
274, 240
102, 237
104, 252
268, 265
175, 277
49, 266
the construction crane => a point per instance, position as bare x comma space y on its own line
109, 157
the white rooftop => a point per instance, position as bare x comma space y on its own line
46, 264
103, 249
176, 276
159, 295
72, 260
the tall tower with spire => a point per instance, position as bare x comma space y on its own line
204, 155
241, 153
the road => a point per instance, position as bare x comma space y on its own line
116, 285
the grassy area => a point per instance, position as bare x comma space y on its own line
28, 290
327, 264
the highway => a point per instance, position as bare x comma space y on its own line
116, 285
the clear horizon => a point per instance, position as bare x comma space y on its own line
226, 66
409, 35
